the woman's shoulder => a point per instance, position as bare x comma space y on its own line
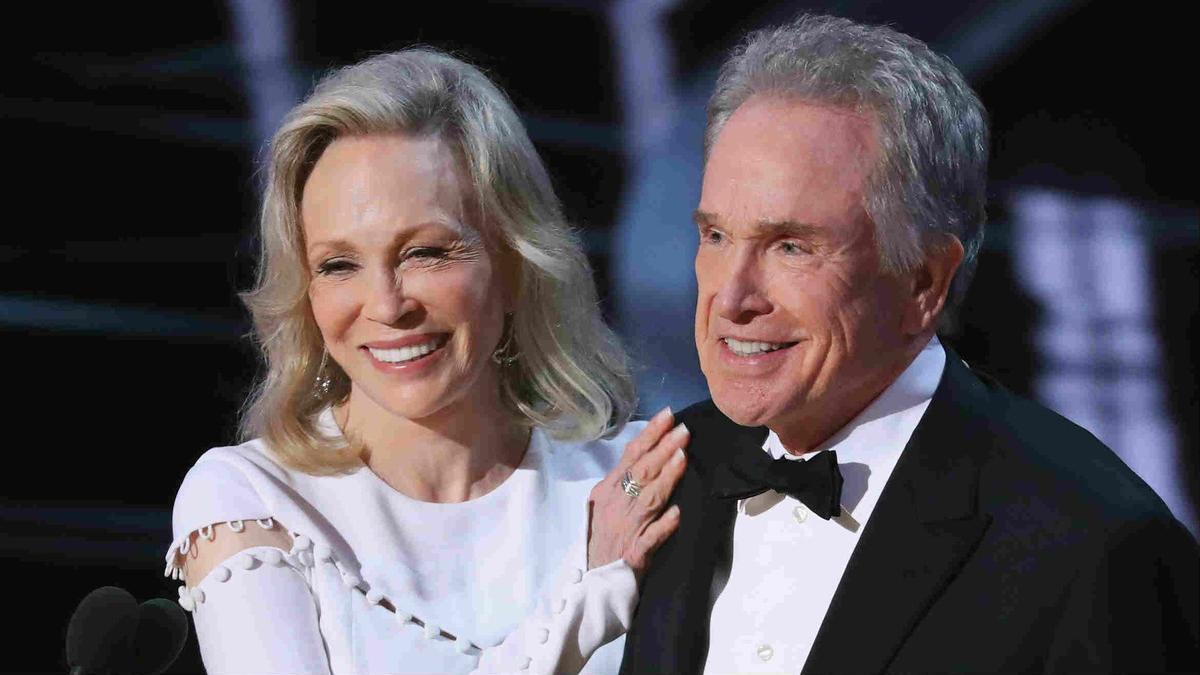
228, 483
590, 458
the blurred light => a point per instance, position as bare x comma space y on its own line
1086, 260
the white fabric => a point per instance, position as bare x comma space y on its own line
787, 562
505, 573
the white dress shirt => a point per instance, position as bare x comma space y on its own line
787, 562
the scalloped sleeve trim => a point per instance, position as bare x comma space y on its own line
213, 491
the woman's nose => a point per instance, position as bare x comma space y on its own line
386, 301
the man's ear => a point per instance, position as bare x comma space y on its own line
930, 283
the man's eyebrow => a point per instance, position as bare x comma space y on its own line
793, 228
704, 218
765, 228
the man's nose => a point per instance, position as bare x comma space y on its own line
387, 300
741, 296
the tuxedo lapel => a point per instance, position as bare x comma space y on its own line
919, 535
670, 631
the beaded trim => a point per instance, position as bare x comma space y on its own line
304, 553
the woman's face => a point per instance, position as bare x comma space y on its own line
409, 300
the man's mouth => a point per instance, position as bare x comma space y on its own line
753, 347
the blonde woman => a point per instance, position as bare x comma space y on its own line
439, 476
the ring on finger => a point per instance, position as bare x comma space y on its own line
630, 486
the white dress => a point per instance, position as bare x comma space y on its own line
377, 582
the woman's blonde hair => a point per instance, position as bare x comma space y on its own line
570, 376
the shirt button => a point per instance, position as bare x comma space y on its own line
765, 652
800, 513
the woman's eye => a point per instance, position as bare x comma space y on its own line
335, 266
424, 255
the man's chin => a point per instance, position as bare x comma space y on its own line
741, 412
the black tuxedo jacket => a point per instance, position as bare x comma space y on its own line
1007, 540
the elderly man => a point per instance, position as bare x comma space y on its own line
859, 500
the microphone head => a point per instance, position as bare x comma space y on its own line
162, 630
101, 630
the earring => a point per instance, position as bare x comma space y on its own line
323, 383
506, 354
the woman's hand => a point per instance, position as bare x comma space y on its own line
633, 527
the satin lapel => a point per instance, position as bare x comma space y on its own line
705, 535
922, 530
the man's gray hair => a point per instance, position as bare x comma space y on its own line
933, 131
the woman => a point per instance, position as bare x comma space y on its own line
429, 435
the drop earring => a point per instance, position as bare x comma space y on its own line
323, 384
506, 353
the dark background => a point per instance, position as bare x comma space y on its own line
130, 197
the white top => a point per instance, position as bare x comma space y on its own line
787, 562
495, 584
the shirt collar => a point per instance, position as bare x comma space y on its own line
875, 437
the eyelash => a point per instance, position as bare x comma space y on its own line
425, 253
713, 237
795, 247
417, 253
335, 266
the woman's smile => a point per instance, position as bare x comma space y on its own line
407, 352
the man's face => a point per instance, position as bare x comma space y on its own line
797, 325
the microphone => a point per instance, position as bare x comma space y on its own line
110, 633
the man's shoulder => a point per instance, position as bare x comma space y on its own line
713, 435
1037, 461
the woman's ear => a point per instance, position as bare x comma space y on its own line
931, 283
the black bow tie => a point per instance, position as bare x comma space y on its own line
816, 482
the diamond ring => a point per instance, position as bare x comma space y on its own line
630, 486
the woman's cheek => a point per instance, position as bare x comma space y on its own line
332, 306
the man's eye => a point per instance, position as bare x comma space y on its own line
791, 248
713, 237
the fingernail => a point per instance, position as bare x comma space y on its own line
681, 428
674, 510
677, 457
662, 414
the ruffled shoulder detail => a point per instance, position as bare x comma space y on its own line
215, 490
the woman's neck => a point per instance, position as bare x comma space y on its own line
459, 453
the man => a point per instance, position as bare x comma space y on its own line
857, 499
